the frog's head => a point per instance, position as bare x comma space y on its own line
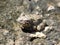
23, 19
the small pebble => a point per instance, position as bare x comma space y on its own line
5, 32
38, 34
41, 25
48, 28
37, 7
50, 8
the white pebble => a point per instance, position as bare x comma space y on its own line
32, 35
41, 25
38, 27
38, 34
37, 7
50, 8
48, 28
44, 21
47, 15
5, 32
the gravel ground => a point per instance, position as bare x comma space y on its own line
10, 30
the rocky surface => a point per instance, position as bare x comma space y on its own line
11, 31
